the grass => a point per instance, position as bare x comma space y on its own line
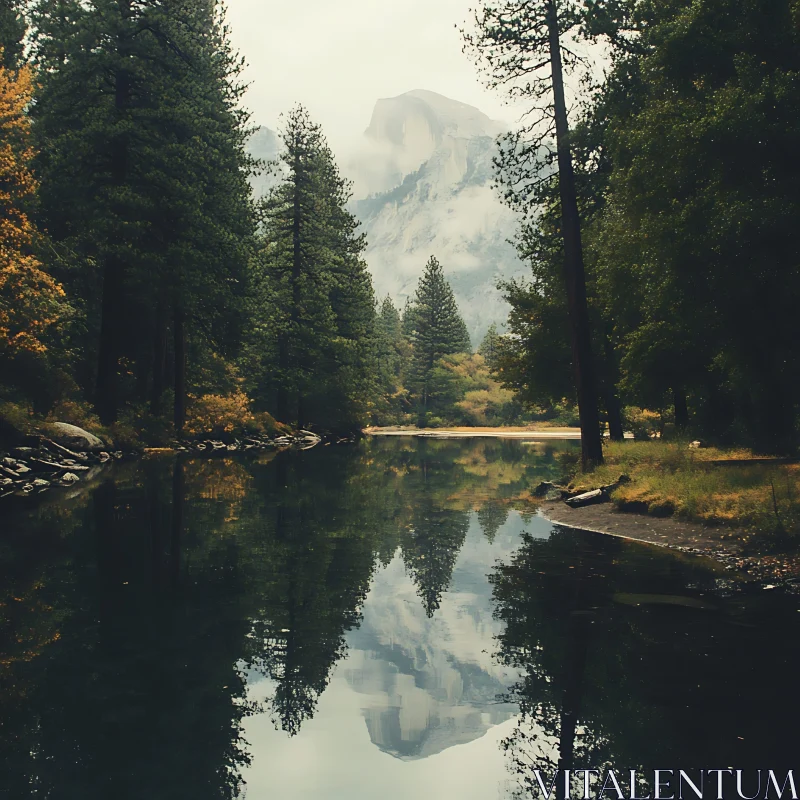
669, 478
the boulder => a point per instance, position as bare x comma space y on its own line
75, 438
588, 499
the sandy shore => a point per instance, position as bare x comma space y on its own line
468, 433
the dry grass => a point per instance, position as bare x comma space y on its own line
671, 478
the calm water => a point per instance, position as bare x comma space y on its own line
375, 621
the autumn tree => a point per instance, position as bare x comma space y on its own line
31, 301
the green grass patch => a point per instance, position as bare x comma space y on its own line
670, 478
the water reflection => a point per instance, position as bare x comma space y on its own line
320, 625
135, 617
636, 660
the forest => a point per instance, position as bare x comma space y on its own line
147, 293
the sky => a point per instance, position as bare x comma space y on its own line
338, 57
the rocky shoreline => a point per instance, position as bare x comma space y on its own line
69, 456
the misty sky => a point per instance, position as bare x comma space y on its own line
338, 57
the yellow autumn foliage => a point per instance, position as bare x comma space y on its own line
30, 300
227, 414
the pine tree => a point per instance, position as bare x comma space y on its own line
315, 314
488, 347
392, 354
519, 44
144, 184
436, 328
12, 33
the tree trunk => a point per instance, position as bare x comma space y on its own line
179, 333
616, 430
681, 409
591, 440
297, 269
159, 360
283, 364
107, 392
108, 354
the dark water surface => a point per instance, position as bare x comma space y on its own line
374, 621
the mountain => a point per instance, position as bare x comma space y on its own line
422, 178
422, 181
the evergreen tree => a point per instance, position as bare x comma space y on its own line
489, 345
393, 352
315, 310
13, 28
698, 254
436, 328
144, 184
519, 44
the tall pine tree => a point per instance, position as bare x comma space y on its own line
144, 184
313, 340
435, 327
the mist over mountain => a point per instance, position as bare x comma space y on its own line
422, 174
422, 183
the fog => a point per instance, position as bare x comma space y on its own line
338, 58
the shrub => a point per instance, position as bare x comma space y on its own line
76, 412
226, 416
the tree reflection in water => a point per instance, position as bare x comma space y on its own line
132, 617
635, 658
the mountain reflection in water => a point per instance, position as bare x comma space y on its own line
324, 625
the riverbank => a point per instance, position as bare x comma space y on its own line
732, 505
69, 457
530, 433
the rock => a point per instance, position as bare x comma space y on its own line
40, 483
52, 465
69, 478
6, 482
4, 470
696, 445
544, 488
75, 438
9, 462
588, 499
22, 469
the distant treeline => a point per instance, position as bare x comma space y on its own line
687, 177
144, 290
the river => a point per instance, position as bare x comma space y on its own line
382, 620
